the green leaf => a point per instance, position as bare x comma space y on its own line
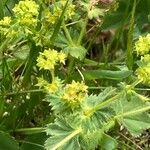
61, 41
96, 119
90, 140
108, 143
57, 104
131, 112
76, 51
95, 13
137, 124
128, 102
94, 100
7, 142
22, 52
62, 136
106, 74
34, 142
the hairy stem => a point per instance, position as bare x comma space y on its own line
52, 74
68, 36
82, 32
29, 130
70, 67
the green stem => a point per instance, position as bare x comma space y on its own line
72, 23
97, 31
107, 102
22, 92
27, 131
66, 139
4, 65
70, 67
68, 36
105, 53
104, 87
130, 38
82, 32
136, 83
58, 24
53, 74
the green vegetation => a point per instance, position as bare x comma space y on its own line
74, 74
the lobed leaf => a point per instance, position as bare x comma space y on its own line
63, 136
131, 112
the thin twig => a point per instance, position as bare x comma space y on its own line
130, 141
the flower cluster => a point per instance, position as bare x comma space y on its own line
146, 59
24, 22
70, 9
5, 21
26, 13
49, 58
142, 46
75, 93
143, 72
49, 87
52, 16
4, 25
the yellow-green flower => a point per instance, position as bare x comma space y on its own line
143, 72
41, 82
145, 59
49, 58
75, 93
5, 25
142, 46
54, 86
49, 87
70, 9
61, 57
26, 13
49, 17
5, 21
52, 16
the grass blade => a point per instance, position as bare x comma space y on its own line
1, 9
58, 24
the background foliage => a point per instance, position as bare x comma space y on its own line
101, 53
